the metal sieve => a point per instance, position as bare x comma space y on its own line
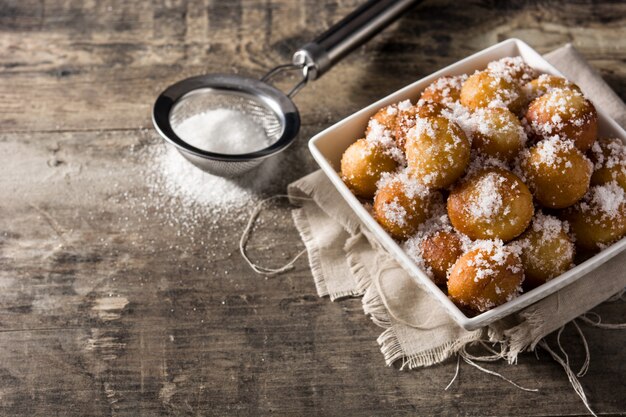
269, 107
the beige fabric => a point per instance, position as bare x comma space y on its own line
347, 261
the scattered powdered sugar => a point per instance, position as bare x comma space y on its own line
562, 100
379, 135
437, 222
607, 200
611, 154
491, 123
489, 258
542, 85
483, 123
462, 116
224, 131
395, 212
548, 230
391, 110
597, 152
480, 161
551, 149
504, 98
404, 105
424, 126
186, 193
447, 88
413, 248
441, 143
549, 226
512, 68
567, 106
411, 187
490, 253
487, 202
504, 94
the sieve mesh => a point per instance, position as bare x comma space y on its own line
265, 105
205, 99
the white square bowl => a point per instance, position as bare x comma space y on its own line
328, 146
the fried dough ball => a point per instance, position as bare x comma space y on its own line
437, 151
427, 108
566, 113
515, 67
401, 204
546, 83
546, 250
498, 133
491, 204
600, 218
404, 122
407, 118
440, 250
486, 89
486, 276
444, 90
384, 119
393, 122
609, 158
557, 172
362, 164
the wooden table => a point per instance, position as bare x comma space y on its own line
108, 307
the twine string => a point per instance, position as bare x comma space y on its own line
598, 322
467, 359
585, 367
247, 231
578, 388
456, 373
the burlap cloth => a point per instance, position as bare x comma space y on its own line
347, 261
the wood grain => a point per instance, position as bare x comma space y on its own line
108, 307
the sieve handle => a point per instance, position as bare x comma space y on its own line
348, 34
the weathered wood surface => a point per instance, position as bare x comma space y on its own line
106, 308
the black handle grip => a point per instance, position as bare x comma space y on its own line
348, 34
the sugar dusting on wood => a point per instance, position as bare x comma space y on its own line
186, 194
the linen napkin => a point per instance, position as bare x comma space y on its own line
347, 261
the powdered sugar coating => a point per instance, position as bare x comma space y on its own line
436, 223
479, 162
401, 204
362, 164
557, 172
609, 156
497, 133
514, 69
462, 116
493, 203
549, 226
444, 90
600, 218
487, 89
546, 249
379, 135
606, 201
437, 151
564, 112
487, 202
488, 275
546, 83
411, 187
